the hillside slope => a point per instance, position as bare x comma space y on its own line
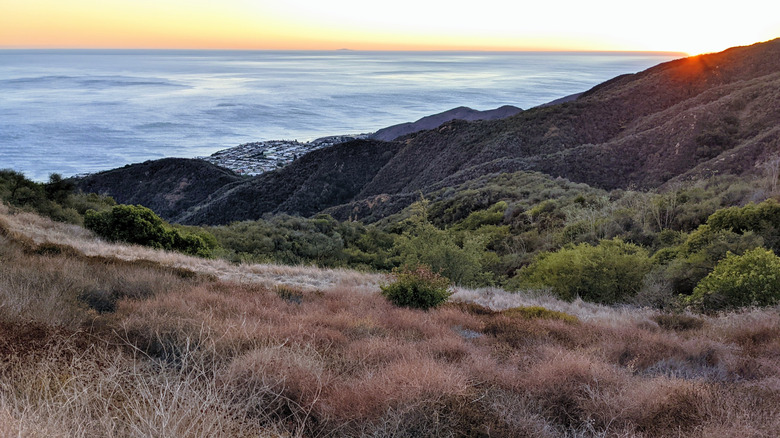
639, 129
692, 117
168, 186
98, 339
318, 180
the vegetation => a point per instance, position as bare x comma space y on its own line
575, 240
139, 225
55, 199
182, 355
482, 233
678, 321
321, 240
460, 254
419, 288
751, 279
609, 272
762, 219
105, 339
532, 312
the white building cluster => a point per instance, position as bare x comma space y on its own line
261, 156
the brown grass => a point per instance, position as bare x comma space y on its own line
678, 322
35, 231
136, 346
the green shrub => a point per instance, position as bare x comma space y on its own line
609, 272
295, 240
687, 264
460, 256
737, 281
139, 225
419, 288
491, 216
131, 224
761, 219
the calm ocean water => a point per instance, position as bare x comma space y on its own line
74, 111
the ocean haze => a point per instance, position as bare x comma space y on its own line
75, 111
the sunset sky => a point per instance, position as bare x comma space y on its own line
661, 25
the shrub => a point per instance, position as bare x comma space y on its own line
295, 240
761, 219
491, 216
129, 223
610, 272
419, 288
461, 258
657, 291
139, 225
686, 265
99, 300
288, 293
737, 281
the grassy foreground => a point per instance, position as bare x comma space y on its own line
112, 340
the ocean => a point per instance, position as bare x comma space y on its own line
79, 111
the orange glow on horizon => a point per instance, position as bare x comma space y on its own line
497, 25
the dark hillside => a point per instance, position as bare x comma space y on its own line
318, 180
635, 129
729, 129
168, 186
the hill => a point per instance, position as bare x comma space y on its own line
167, 186
434, 121
318, 180
684, 119
641, 129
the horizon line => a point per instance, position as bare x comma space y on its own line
345, 50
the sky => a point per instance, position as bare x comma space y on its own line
686, 26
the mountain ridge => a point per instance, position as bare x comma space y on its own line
681, 119
435, 120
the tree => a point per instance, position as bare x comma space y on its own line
58, 189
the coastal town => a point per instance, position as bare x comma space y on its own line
263, 156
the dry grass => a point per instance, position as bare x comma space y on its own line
66, 390
498, 299
38, 231
135, 345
